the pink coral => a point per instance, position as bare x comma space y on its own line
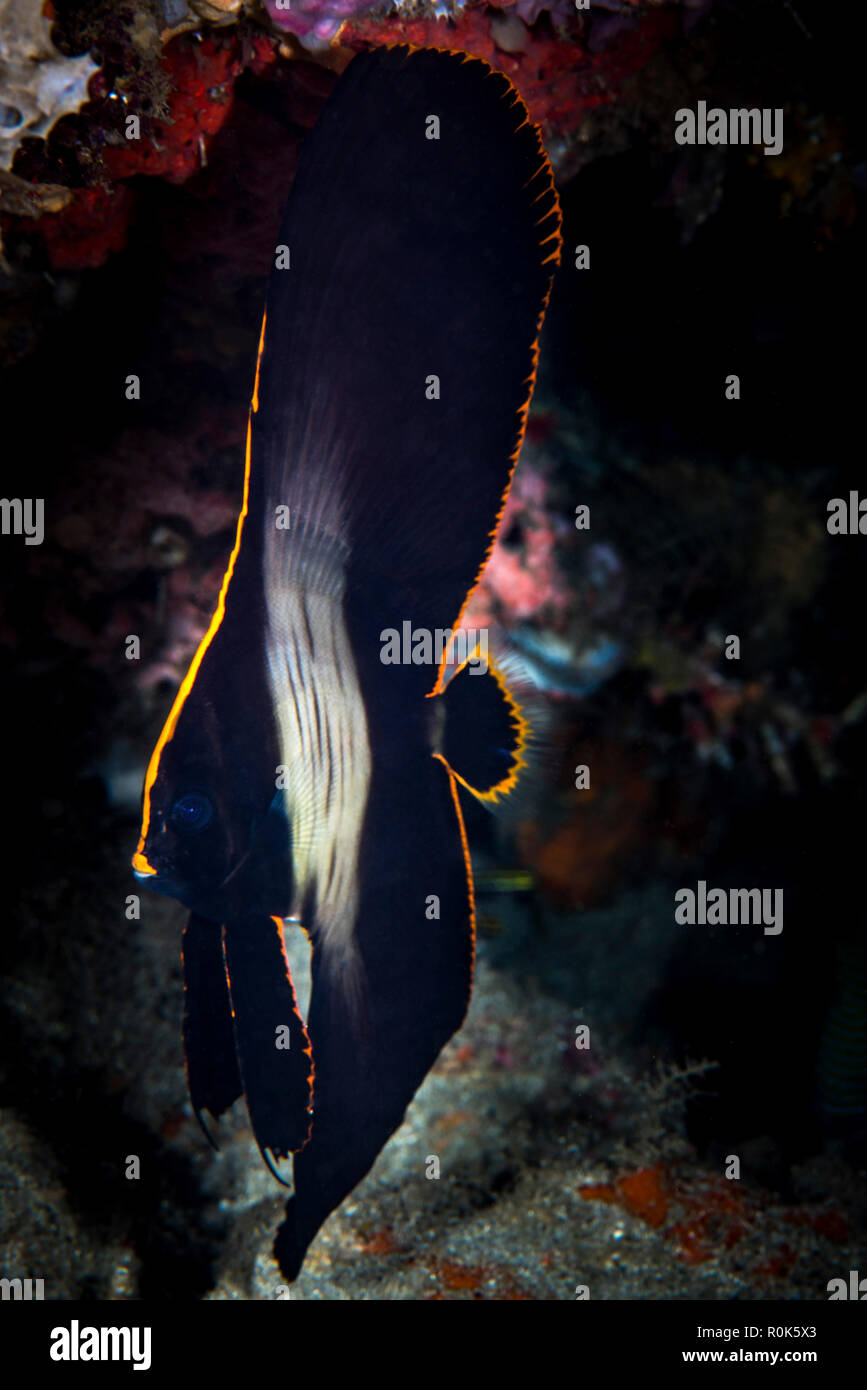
316, 22
522, 580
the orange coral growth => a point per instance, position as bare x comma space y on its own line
644, 1194
691, 1243
714, 1215
479, 1281
582, 860
381, 1242
598, 1192
711, 1216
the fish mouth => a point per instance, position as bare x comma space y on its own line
158, 879
141, 868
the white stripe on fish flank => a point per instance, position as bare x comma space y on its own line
321, 723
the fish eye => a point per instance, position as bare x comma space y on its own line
191, 812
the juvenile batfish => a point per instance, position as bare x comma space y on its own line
299, 774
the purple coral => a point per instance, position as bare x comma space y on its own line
316, 22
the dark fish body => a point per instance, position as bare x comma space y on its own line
298, 774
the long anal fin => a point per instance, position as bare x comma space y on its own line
271, 1041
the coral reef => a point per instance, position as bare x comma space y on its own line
38, 84
317, 22
560, 1166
